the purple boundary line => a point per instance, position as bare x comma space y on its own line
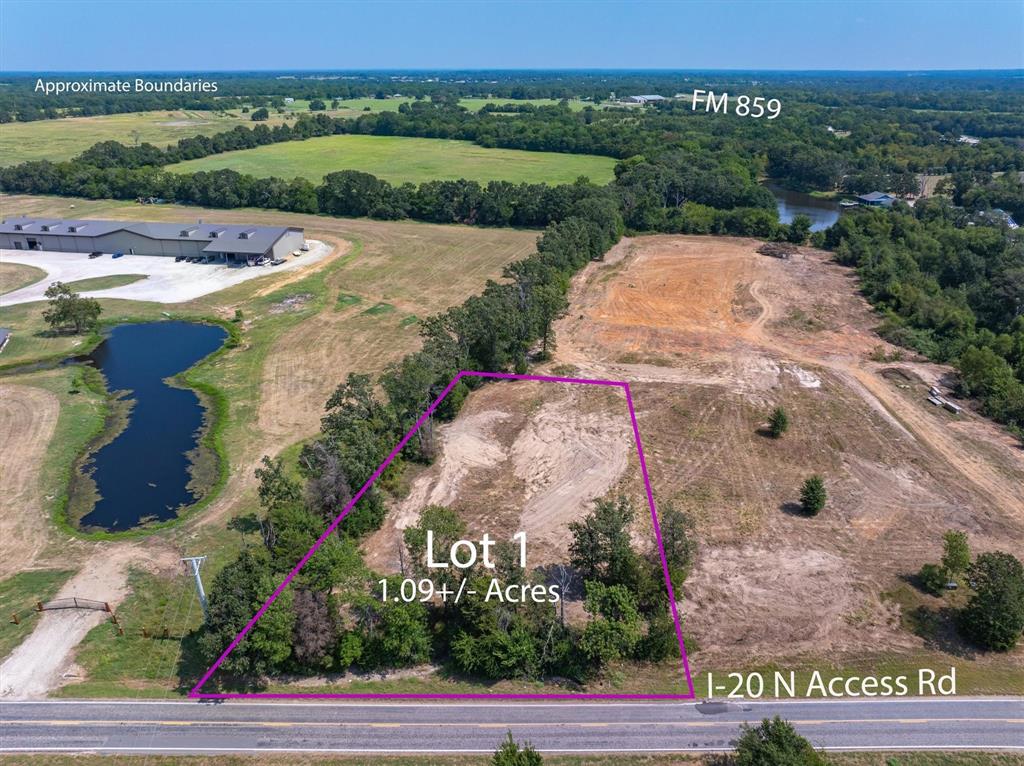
194, 693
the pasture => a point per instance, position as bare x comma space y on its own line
398, 159
65, 138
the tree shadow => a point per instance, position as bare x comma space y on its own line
791, 508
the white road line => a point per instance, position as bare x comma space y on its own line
527, 703
849, 748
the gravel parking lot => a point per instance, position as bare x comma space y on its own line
166, 281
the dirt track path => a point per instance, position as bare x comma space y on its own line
38, 664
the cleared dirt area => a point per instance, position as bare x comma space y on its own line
714, 335
28, 416
525, 456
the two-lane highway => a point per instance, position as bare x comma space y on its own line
239, 727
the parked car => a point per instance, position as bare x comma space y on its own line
118, 254
96, 254
179, 258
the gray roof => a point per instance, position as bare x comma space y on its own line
222, 237
875, 196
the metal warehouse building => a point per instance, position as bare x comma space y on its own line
221, 242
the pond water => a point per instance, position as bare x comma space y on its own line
822, 212
143, 473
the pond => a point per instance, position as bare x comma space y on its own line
822, 212
146, 471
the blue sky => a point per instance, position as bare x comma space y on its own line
301, 34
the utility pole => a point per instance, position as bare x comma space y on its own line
195, 562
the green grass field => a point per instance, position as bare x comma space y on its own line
18, 595
63, 139
105, 283
398, 159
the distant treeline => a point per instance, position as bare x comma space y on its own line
946, 91
797, 150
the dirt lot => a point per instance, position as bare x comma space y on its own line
713, 336
525, 456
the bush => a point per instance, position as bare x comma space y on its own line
509, 753
933, 579
775, 743
813, 496
778, 422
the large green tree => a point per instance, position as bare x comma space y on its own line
237, 592
994, 617
68, 309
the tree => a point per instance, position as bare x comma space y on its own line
813, 495
775, 742
677, 540
317, 105
550, 304
994, 617
260, 115
799, 229
238, 591
68, 308
510, 753
778, 422
276, 488
616, 626
600, 549
956, 556
314, 631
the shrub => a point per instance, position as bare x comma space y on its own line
813, 496
775, 742
778, 422
933, 579
510, 753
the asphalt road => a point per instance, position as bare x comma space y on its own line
205, 727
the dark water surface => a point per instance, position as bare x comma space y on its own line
822, 212
143, 473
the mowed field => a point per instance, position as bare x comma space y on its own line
712, 337
399, 159
301, 332
65, 138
